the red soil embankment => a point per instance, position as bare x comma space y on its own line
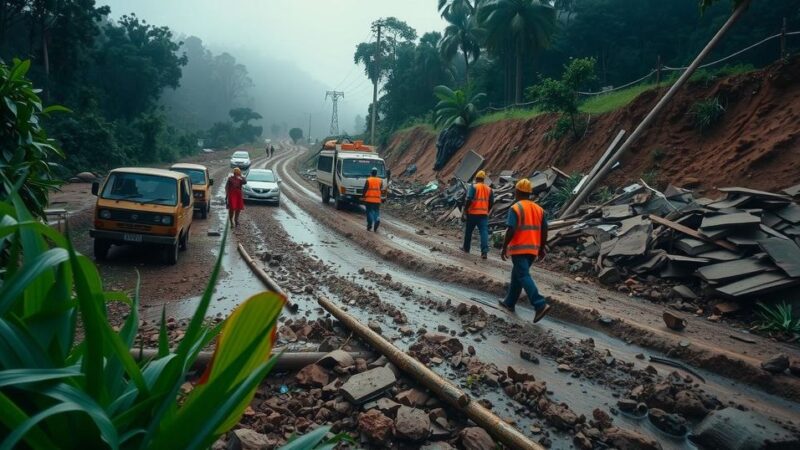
755, 144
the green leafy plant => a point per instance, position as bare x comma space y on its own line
456, 107
706, 113
61, 391
651, 177
561, 194
602, 195
26, 153
561, 95
778, 318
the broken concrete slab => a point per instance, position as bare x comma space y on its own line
741, 430
785, 254
793, 191
732, 270
693, 247
367, 385
468, 166
742, 219
609, 275
634, 243
684, 292
733, 202
617, 212
759, 284
789, 213
755, 193
412, 397
719, 255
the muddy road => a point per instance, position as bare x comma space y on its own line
407, 284
412, 284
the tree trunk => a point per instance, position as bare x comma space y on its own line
518, 84
466, 70
46, 58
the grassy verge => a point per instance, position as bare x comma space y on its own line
510, 114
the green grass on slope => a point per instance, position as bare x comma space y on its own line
604, 103
514, 113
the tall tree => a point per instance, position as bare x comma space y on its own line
519, 28
462, 34
456, 7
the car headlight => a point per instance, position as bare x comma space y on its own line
166, 220
105, 214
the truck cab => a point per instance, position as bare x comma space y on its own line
342, 172
141, 206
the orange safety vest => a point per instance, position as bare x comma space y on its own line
479, 206
527, 234
373, 192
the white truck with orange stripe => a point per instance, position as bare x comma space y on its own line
342, 169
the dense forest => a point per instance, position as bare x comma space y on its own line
120, 80
482, 49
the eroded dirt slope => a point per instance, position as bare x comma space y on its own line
756, 143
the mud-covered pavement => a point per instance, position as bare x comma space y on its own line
587, 365
405, 287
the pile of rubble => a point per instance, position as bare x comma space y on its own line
744, 245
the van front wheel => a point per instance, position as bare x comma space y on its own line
171, 253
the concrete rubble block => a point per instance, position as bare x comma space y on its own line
412, 424
412, 397
369, 384
336, 358
440, 445
684, 292
387, 406
609, 275
312, 375
733, 429
475, 438
519, 376
673, 321
247, 439
672, 424
376, 426
623, 439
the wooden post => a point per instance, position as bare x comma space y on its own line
591, 184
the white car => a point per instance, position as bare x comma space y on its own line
262, 185
240, 159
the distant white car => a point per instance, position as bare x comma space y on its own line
262, 185
240, 159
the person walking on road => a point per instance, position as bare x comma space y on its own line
372, 200
234, 197
267, 151
526, 238
480, 200
271, 151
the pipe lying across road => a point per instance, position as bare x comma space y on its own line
265, 278
445, 390
288, 361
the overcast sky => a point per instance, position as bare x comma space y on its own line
319, 36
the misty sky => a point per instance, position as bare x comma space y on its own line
319, 36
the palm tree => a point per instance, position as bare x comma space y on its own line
464, 34
455, 7
455, 107
518, 28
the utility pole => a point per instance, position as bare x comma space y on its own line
374, 112
783, 39
308, 136
335, 95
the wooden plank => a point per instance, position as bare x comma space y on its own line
785, 253
691, 232
755, 193
732, 270
742, 219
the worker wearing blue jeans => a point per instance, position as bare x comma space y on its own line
477, 205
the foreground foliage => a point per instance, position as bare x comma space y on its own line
67, 387
778, 318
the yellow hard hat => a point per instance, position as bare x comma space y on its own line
481, 175
524, 185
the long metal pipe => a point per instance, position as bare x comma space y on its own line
265, 278
445, 390
287, 361
591, 184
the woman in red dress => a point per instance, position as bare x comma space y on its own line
234, 197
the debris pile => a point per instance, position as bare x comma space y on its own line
744, 245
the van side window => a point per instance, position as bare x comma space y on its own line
325, 163
186, 193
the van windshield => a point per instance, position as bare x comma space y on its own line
361, 168
141, 188
196, 175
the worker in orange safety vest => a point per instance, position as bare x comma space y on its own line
372, 199
526, 238
479, 202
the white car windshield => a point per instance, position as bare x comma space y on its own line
261, 175
242, 155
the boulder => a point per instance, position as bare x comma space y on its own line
86, 177
441, 445
689, 404
376, 427
412, 424
369, 384
247, 439
519, 376
669, 423
623, 439
560, 416
475, 438
674, 322
412, 397
312, 375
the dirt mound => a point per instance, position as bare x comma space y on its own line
755, 144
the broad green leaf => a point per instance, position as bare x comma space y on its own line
31, 375
163, 341
27, 277
13, 417
70, 395
308, 440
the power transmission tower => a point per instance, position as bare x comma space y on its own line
335, 115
